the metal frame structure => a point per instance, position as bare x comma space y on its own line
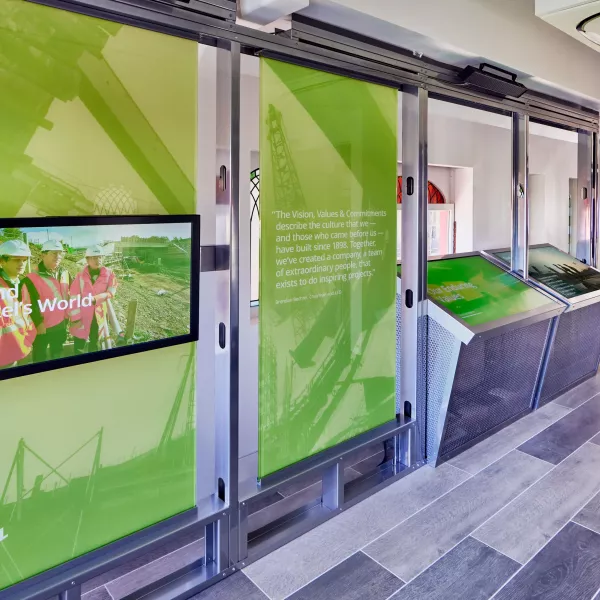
324, 47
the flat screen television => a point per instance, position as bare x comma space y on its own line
75, 290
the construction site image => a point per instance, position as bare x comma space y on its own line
99, 287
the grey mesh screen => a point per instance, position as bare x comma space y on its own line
575, 352
495, 381
440, 367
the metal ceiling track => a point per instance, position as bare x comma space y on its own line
323, 46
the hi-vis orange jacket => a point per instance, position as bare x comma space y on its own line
103, 289
16, 329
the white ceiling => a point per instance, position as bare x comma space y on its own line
506, 33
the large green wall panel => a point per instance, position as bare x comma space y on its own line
327, 302
95, 118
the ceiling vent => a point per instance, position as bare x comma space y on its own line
494, 80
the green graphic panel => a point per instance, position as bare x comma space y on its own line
478, 291
560, 271
328, 148
92, 453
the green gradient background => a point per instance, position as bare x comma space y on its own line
83, 122
327, 368
496, 295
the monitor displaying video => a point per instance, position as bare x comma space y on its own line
83, 289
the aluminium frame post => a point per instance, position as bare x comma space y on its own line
583, 202
333, 486
73, 593
594, 202
234, 295
519, 255
414, 253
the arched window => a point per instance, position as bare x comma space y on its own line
434, 194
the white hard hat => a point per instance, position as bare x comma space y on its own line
15, 248
94, 251
52, 246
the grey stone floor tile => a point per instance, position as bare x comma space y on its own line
100, 593
568, 568
491, 449
126, 585
524, 527
236, 587
470, 571
590, 515
556, 442
289, 568
582, 393
357, 578
596, 440
413, 546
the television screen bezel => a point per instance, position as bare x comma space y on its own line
119, 351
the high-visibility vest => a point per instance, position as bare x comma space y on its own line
54, 297
103, 289
16, 329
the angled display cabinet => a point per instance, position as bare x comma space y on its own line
575, 350
487, 334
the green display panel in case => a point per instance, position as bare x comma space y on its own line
479, 292
559, 271
96, 118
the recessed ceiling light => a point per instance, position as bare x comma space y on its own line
590, 28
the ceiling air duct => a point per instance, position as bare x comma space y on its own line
494, 80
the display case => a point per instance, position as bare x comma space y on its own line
575, 352
486, 335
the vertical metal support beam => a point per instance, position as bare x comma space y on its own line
519, 260
333, 486
594, 211
216, 543
73, 593
406, 448
243, 529
234, 295
583, 202
414, 249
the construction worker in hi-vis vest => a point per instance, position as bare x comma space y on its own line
16, 329
48, 289
90, 323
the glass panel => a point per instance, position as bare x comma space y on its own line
478, 291
440, 231
92, 453
469, 153
327, 306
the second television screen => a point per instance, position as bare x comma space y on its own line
74, 290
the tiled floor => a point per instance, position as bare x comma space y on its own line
517, 517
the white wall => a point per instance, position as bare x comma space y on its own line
487, 150
557, 161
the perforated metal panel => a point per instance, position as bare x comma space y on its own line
495, 382
575, 352
442, 348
